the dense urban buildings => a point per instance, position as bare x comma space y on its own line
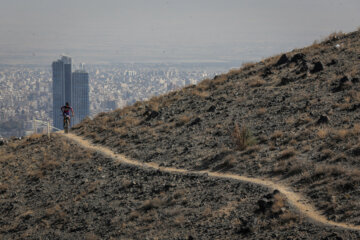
80, 95
26, 91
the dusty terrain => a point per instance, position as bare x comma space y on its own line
54, 189
293, 120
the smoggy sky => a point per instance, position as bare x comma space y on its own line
176, 29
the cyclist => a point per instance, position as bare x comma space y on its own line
66, 111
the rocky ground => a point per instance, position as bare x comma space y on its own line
294, 118
53, 189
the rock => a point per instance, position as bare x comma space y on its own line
150, 115
317, 67
299, 57
282, 60
323, 120
355, 80
341, 85
266, 72
211, 109
265, 204
333, 62
284, 81
356, 151
195, 121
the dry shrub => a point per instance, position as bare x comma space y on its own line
356, 129
298, 167
278, 204
220, 79
120, 131
261, 111
49, 165
247, 65
35, 136
322, 133
204, 84
326, 153
91, 236
256, 81
329, 170
3, 187
151, 204
242, 137
130, 121
184, 119
252, 149
234, 71
276, 134
289, 217
125, 183
179, 220
35, 174
340, 134
287, 153
334, 36
207, 212
202, 94
230, 161
134, 215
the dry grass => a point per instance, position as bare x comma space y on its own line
276, 134
242, 137
35, 136
247, 65
334, 36
256, 81
204, 84
261, 111
151, 204
287, 153
184, 119
289, 217
202, 94
340, 134
322, 133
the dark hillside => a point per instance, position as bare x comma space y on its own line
294, 118
52, 189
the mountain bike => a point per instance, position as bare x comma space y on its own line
66, 124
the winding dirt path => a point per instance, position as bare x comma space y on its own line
304, 207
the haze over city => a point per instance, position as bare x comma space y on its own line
113, 31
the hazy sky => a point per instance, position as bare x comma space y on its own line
175, 29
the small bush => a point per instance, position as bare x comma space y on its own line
276, 134
242, 137
287, 153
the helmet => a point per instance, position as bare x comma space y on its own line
67, 104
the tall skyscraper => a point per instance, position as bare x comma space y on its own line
80, 95
61, 88
72, 88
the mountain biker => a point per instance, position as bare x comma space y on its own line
66, 111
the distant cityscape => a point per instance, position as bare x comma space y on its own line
26, 91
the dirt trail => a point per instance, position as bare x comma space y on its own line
304, 207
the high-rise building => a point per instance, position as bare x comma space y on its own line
80, 95
72, 88
61, 88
